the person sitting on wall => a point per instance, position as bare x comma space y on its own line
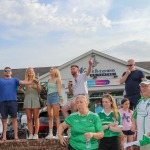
77, 86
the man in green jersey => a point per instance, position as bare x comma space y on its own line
141, 115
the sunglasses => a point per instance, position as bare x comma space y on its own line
129, 65
7, 70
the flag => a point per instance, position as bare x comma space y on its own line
145, 141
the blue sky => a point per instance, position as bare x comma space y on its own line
41, 33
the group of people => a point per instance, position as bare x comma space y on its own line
87, 130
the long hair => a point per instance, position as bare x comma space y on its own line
125, 100
56, 73
26, 73
113, 105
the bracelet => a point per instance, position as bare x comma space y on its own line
60, 97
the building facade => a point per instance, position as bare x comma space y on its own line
104, 77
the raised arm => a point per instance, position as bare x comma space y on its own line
124, 77
90, 67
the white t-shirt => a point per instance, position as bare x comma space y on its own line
142, 114
80, 85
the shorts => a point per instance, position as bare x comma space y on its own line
9, 108
68, 103
110, 143
52, 99
128, 132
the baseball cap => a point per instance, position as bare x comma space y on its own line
144, 82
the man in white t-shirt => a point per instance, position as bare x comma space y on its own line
141, 115
77, 86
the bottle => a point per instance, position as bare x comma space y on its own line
88, 143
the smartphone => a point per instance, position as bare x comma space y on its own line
35, 81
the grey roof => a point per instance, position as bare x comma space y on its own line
20, 73
145, 65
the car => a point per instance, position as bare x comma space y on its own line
44, 125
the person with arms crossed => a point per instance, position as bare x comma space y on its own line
132, 78
86, 127
141, 115
112, 125
8, 100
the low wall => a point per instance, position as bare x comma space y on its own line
40, 144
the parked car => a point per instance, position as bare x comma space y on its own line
44, 126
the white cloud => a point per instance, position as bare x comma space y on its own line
60, 30
88, 16
137, 50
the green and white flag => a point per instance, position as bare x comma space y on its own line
144, 141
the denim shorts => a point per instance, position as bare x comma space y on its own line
128, 132
8, 108
52, 99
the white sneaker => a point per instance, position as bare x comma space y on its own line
49, 136
30, 137
35, 137
56, 137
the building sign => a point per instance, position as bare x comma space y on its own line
97, 82
97, 72
102, 74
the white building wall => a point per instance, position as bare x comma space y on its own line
104, 66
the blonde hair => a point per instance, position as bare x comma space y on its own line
26, 73
56, 73
82, 95
113, 105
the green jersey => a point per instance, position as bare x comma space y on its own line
142, 116
107, 119
81, 125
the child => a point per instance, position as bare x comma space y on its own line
126, 114
111, 121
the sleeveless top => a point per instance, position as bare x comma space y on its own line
52, 87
